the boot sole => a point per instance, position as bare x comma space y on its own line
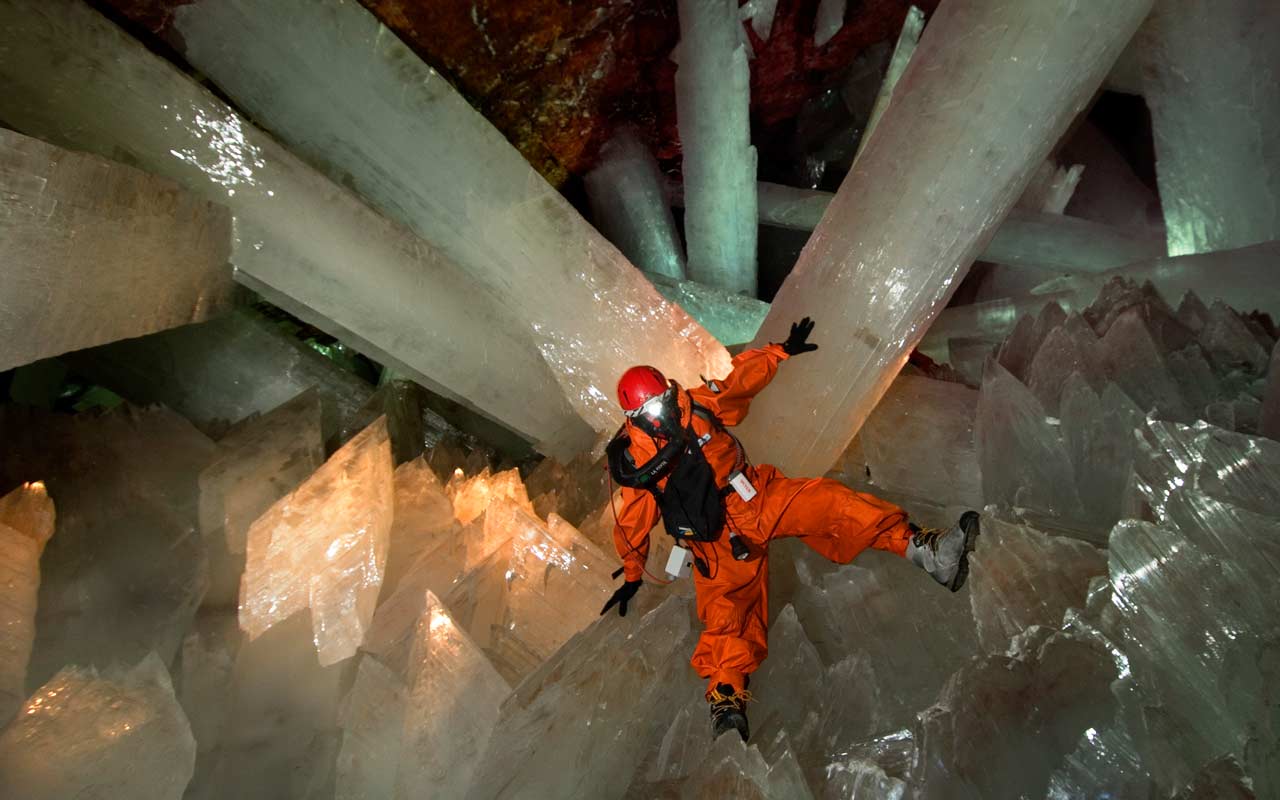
971, 524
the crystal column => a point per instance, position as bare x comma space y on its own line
1212, 81
713, 97
991, 88
347, 95
629, 201
96, 251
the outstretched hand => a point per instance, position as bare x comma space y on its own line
621, 597
796, 343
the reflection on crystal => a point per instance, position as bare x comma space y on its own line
118, 732
324, 546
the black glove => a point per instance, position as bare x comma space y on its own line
795, 343
621, 597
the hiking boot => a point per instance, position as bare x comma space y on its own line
728, 711
944, 552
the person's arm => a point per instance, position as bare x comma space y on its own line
637, 514
752, 371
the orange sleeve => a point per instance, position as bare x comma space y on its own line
752, 371
636, 517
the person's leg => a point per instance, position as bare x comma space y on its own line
733, 606
831, 518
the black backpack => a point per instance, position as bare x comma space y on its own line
691, 503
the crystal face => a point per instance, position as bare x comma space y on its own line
324, 547
89, 250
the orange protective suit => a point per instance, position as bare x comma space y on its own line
827, 516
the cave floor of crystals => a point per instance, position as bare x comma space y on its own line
244, 558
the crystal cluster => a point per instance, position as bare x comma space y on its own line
89, 247
258, 461
75, 79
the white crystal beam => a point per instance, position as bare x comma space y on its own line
74, 78
347, 95
713, 96
990, 90
96, 251
629, 201
1212, 82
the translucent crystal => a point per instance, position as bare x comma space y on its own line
423, 518
529, 595
1071, 348
761, 13
358, 103
829, 21
453, 706
557, 735
219, 372
1203, 64
1229, 344
372, 720
1051, 188
257, 462
857, 609
26, 523
324, 546
581, 485
918, 442
1109, 192
281, 719
1023, 459
1133, 360
1021, 577
126, 570
1033, 239
902, 53
1269, 424
472, 496
713, 97
629, 203
1104, 764
875, 285
204, 682
75, 79
731, 318
1099, 435
91, 734
1004, 722
90, 246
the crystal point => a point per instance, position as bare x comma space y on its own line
324, 545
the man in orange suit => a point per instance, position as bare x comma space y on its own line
677, 462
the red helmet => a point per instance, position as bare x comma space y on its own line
639, 384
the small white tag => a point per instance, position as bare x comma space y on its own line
679, 563
742, 486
